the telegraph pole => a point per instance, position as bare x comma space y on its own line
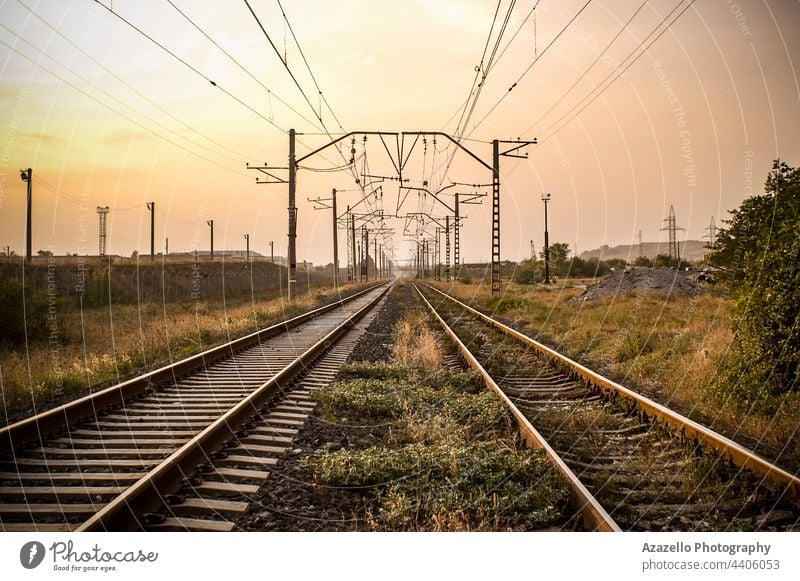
545, 199
447, 247
211, 225
456, 240
335, 243
27, 176
271, 252
292, 218
152, 207
247, 240
102, 212
352, 241
533, 252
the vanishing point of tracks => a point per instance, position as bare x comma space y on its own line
182, 447
629, 462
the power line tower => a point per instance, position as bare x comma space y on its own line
102, 213
712, 235
674, 251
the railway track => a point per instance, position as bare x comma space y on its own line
178, 448
630, 463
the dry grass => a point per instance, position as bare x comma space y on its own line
415, 343
669, 349
108, 343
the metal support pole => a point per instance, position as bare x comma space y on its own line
247, 240
353, 240
365, 267
456, 241
546, 198
152, 207
292, 258
335, 245
447, 247
272, 252
27, 176
495, 216
211, 225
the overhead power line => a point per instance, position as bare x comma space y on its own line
242, 67
113, 110
579, 108
310, 72
125, 83
191, 67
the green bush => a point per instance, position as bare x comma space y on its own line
23, 313
764, 359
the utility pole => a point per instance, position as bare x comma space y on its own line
533, 252
456, 239
375, 258
335, 243
152, 207
447, 247
322, 204
641, 253
271, 252
211, 225
545, 199
166, 247
496, 155
673, 238
27, 176
247, 241
102, 212
365, 248
292, 218
712, 235
352, 241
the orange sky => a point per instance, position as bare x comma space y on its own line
694, 122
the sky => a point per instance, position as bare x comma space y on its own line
634, 111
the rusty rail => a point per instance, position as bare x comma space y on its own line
146, 494
32, 428
774, 477
594, 515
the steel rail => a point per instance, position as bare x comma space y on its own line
594, 515
774, 477
32, 428
146, 494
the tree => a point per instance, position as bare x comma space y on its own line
559, 257
643, 261
764, 239
45, 252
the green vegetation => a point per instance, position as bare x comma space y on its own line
92, 346
761, 249
449, 462
670, 349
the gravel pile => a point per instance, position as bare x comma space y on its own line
665, 281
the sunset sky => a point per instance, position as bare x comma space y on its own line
106, 117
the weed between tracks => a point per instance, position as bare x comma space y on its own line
449, 460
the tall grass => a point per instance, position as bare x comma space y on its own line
669, 349
104, 344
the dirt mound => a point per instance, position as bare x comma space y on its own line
665, 281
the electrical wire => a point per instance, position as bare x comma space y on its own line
242, 67
589, 68
125, 83
191, 67
113, 110
549, 132
310, 72
113, 98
